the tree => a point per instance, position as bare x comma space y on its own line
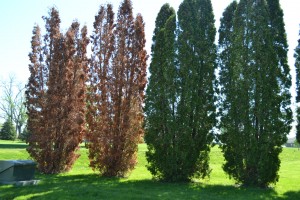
226, 83
56, 95
281, 49
161, 99
8, 131
196, 107
99, 115
24, 136
12, 103
297, 66
256, 117
296, 144
226, 38
117, 80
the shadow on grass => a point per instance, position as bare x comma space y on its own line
292, 195
16, 145
92, 186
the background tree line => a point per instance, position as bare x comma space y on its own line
12, 108
242, 86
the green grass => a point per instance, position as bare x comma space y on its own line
82, 183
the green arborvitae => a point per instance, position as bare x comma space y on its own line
196, 109
281, 49
225, 47
8, 131
160, 107
257, 117
297, 66
280, 42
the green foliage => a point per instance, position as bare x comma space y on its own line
160, 105
297, 66
180, 96
296, 144
8, 131
226, 38
196, 108
25, 134
255, 98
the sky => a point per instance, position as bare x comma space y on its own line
17, 18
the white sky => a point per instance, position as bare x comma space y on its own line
17, 18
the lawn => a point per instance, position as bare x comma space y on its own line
82, 183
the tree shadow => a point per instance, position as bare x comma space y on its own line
292, 195
13, 146
91, 186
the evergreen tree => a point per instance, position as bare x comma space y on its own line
297, 66
255, 116
8, 131
24, 135
196, 109
99, 111
36, 89
281, 50
160, 107
56, 95
226, 39
118, 79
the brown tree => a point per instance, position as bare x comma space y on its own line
118, 78
36, 97
99, 115
56, 95
139, 77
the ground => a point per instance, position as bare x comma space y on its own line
82, 183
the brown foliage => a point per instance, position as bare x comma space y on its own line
116, 92
56, 95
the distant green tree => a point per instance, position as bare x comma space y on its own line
256, 117
297, 66
24, 136
297, 144
8, 131
160, 105
196, 107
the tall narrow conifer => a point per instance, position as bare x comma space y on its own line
281, 49
256, 115
161, 99
196, 109
117, 81
99, 111
226, 39
56, 95
297, 66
